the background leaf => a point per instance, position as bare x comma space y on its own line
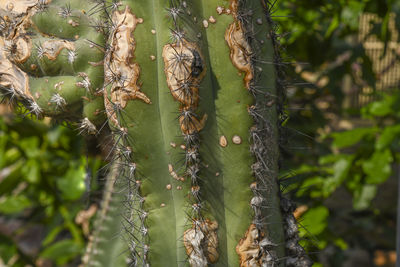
378, 167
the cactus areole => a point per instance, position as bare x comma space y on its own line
192, 92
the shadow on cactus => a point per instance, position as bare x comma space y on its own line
192, 92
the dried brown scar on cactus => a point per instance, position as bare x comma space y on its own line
18, 7
110, 110
252, 249
12, 77
18, 49
18, 44
15, 43
201, 242
119, 69
191, 124
16, 19
184, 70
52, 48
240, 50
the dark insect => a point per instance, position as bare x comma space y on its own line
197, 64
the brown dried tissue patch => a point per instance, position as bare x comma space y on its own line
119, 63
201, 242
11, 76
248, 249
240, 50
18, 7
16, 15
18, 48
191, 125
184, 69
110, 111
52, 48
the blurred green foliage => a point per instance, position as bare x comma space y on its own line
44, 177
344, 178
360, 160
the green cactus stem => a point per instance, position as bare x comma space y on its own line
192, 92
48, 62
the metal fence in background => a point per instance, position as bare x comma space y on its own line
386, 65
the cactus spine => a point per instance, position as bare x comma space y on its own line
190, 90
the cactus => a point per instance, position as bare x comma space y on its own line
192, 92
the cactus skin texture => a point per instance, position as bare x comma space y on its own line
192, 92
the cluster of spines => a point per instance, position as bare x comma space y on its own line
122, 190
296, 256
103, 23
12, 95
